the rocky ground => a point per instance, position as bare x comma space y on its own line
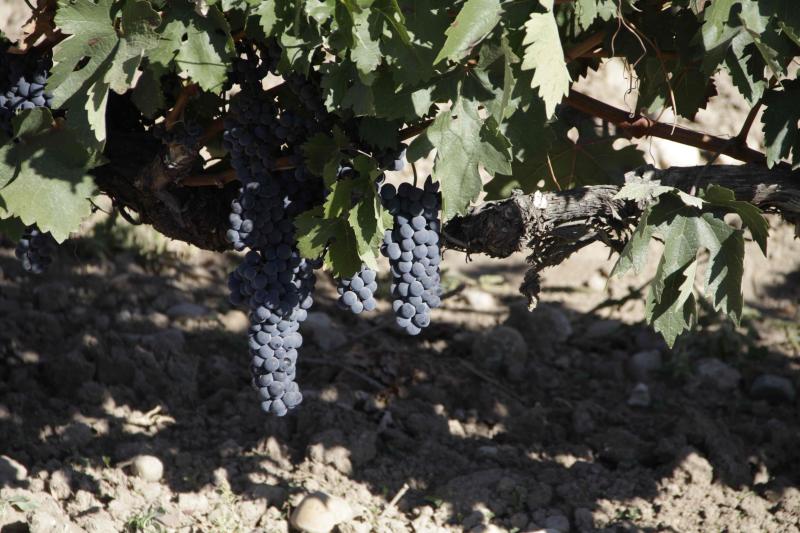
125, 406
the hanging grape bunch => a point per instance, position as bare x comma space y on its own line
412, 247
23, 87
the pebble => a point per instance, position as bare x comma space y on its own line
169, 340
234, 321
559, 522
539, 496
718, 373
52, 297
600, 329
59, 484
187, 310
11, 471
191, 503
324, 331
640, 396
543, 328
100, 523
643, 365
773, 388
501, 348
479, 300
147, 467
584, 520
319, 513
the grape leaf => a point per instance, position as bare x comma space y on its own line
199, 47
685, 231
635, 254
313, 233
543, 54
780, 118
751, 216
148, 95
586, 11
412, 61
266, 11
44, 176
109, 48
462, 144
475, 20
366, 53
365, 218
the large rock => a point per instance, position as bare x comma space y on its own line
320, 513
772, 388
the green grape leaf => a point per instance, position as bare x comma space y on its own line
148, 95
267, 14
634, 255
476, 19
586, 11
44, 176
670, 305
199, 47
320, 10
365, 218
321, 150
412, 61
366, 53
685, 231
313, 233
640, 189
568, 164
108, 46
780, 117
544, 55
716, 15
462, 144
342, 259
751, 216
11, 228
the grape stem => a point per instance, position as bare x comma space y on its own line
187, 91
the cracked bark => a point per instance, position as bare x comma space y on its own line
575, 218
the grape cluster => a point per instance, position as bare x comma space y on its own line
412, 247
278, 293
22, 86
35, 250
273, 281
357, 293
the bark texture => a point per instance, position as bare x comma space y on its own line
554, 225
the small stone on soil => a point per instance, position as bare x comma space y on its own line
640, 396
718, 373
11, 471
147, 467
644, 364
772, 388
320, 512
